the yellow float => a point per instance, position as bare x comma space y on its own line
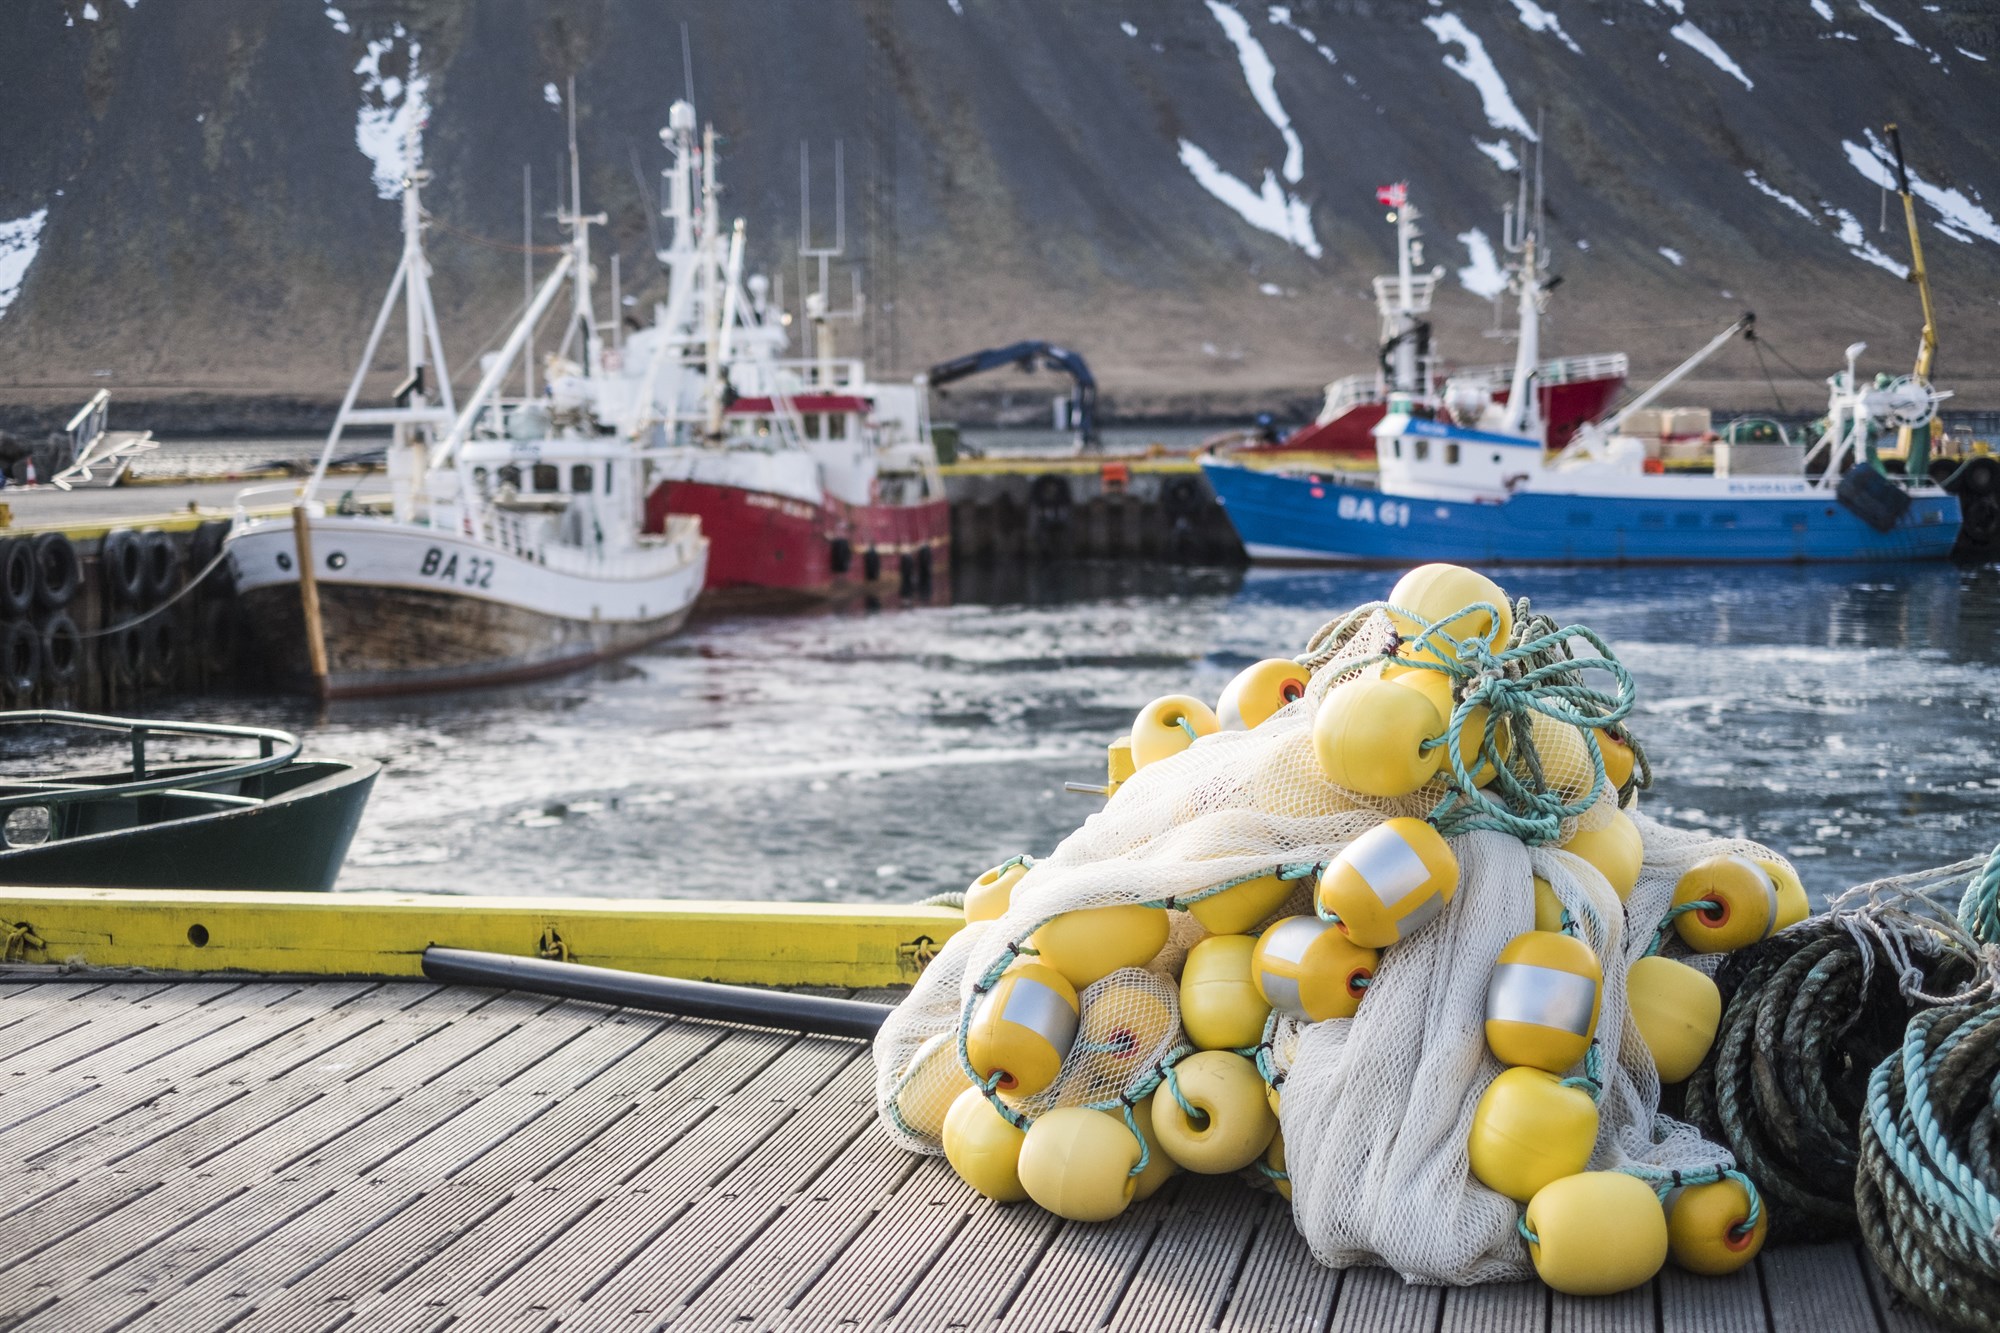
1369, 735
1619, 761
1274, 1158
1615, 849
1390, 882
1023, 1028
1221, 1006
1565, 760
1438, 687
1528, 1130
1162, 728
1093, 942
1542, 1000
931, 1082
1258, 691
1232, 1123
984, 1147
1311, 969
1077, 1163
1742, 904
1548, 908
1160, 1168
1434, 593
1677, 1010
1125, 1018
1793, 905
1242, 907
1709, 1231
1596, 1233
988, 897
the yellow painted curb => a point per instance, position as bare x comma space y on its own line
382, 934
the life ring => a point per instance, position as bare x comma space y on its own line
162, 563
121, 563
58, 572
17, 578
20, 659
62, 650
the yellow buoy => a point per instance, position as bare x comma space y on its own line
1438, 688
1597, 1232
1619, 761
1390, 882
1562, 752
1077, 1163
1023, 1028
1158, 731
1369, 735
984, 1147
1274, 1098
1118, 764
1274, 1157
1221, 1007
1743, 904
931, 1082
1708, 1228
1527, 1130
987, 898
1093, 942
1548, 907
1232, 1124
1677, 1010
1435, 593
1126, 1020
1793, 905
1241, 907
1616, 850
1259, 691
1311, 969
1541, 1002
1160, 1167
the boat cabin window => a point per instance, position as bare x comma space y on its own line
547, 478
836, 425
1451, 453
510, 475
608, 470
812, 425
1396, 448
479, 479
580, 480
1420, 449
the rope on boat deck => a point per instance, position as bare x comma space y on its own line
1808, 1014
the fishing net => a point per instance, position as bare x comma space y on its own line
1375, 1109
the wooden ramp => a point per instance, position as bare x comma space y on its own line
303, 1156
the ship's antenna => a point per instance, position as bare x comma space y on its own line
528, 273
1540, 139
687, 65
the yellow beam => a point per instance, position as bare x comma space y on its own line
382, 934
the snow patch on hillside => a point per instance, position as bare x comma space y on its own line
1672, 256
1262, 76
1270, 209
1875, 163
1281, 16
339, 21
1541, 20
1765, 187
391, 107
20, 242
1823, 9
1689, 35
1477, 69
1970, 55
1501, 152
1483, 276
1855, 237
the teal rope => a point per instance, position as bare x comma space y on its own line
1272, 1078
1145, 1149
1521, 1225
1271, 1172
1666, 1181
1674, 914
1979, 909
1591, 1080
1188, 727
1914, 1141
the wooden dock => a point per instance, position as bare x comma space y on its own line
307, 1155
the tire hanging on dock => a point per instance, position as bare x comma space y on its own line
20, 660
58, 572
161, 561
122, 566
62, 651
17, 578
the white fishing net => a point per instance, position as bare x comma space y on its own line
1376, 1109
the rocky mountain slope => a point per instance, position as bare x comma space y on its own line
193, 210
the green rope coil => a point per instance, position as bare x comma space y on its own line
1928, 1186
1979, 909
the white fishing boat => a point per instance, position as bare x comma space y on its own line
512, 545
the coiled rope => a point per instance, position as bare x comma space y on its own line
1807, 1014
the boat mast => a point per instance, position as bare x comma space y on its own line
1916, 455
1521, 235
1404, 299
582, 317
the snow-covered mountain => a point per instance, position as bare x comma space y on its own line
195, 198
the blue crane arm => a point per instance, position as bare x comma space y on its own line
1083, 393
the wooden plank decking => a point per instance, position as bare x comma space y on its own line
305, 1156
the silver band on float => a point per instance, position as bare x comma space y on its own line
1543, 996
1387, 865
1770, 887
1040, 1009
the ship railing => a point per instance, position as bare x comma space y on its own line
1352, 391
1562, 370
275, 749
641, 562
1389, 292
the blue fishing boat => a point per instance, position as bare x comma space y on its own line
1466, 477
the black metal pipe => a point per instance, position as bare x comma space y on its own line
671, 995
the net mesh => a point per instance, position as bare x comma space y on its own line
1376, 1109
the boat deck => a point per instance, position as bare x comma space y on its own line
266, 1154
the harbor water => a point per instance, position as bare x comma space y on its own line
1846, 716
